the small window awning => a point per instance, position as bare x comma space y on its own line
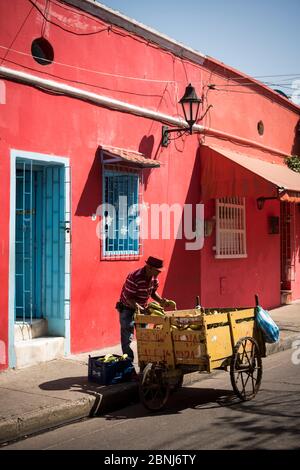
114, 155
236, 175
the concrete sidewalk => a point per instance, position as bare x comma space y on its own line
55, 393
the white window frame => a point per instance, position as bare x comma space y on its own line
231, 228
115, 170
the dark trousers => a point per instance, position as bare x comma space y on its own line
127, 330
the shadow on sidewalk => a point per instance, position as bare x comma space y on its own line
185, 398
107, 397
83, 386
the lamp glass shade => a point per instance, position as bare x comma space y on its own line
190, 104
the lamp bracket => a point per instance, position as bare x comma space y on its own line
261, 201
166, 131
205, 113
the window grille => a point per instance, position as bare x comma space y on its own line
121, 218
230, 228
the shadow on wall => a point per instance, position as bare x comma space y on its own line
91, 195
183, 282
146, 148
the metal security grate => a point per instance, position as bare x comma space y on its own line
121, 216
288, 248
42, 243
230, 228
25, 238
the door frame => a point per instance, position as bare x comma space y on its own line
44, 158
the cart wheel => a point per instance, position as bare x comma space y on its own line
246, 368
179, 383
154, 391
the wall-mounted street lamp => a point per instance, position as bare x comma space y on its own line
190, 104
260, 202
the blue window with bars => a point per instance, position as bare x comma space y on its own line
121, 213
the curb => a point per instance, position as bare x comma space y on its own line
49, 417
282, 345
113, 398
43, 418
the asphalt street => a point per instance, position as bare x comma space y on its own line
205, 415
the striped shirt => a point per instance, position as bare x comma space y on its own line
138, 288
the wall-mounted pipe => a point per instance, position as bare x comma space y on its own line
24, 77
111, 103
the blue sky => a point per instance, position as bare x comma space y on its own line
258, 37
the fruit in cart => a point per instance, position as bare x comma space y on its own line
194, 326
171, 303
155, 305
153, 311
154, 308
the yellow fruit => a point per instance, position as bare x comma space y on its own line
171, 303
109, 358
154, 311
195, 327
155, 305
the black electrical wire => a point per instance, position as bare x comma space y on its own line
81, 82
107, 28
17, 34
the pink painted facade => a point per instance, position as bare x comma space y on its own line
93, 53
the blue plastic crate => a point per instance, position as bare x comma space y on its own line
107, 373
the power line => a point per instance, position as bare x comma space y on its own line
248, 84
82, 82
265, 76
17, 34
94, 71
242, 92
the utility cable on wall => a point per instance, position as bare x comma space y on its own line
95, 71
62, 27
17, 34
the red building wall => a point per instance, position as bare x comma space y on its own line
225, 279
296, 248
37, 121
4, 251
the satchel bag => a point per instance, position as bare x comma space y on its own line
267, 325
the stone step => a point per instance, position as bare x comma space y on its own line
33, 351
25, 330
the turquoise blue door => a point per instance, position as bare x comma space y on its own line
28, 242
54, 249
40, 244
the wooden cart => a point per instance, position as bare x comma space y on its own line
185, 341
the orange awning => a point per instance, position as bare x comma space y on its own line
236, 175
116, 155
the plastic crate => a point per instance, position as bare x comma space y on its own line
107, 373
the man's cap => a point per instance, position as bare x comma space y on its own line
155, 263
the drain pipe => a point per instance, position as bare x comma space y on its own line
111, 103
